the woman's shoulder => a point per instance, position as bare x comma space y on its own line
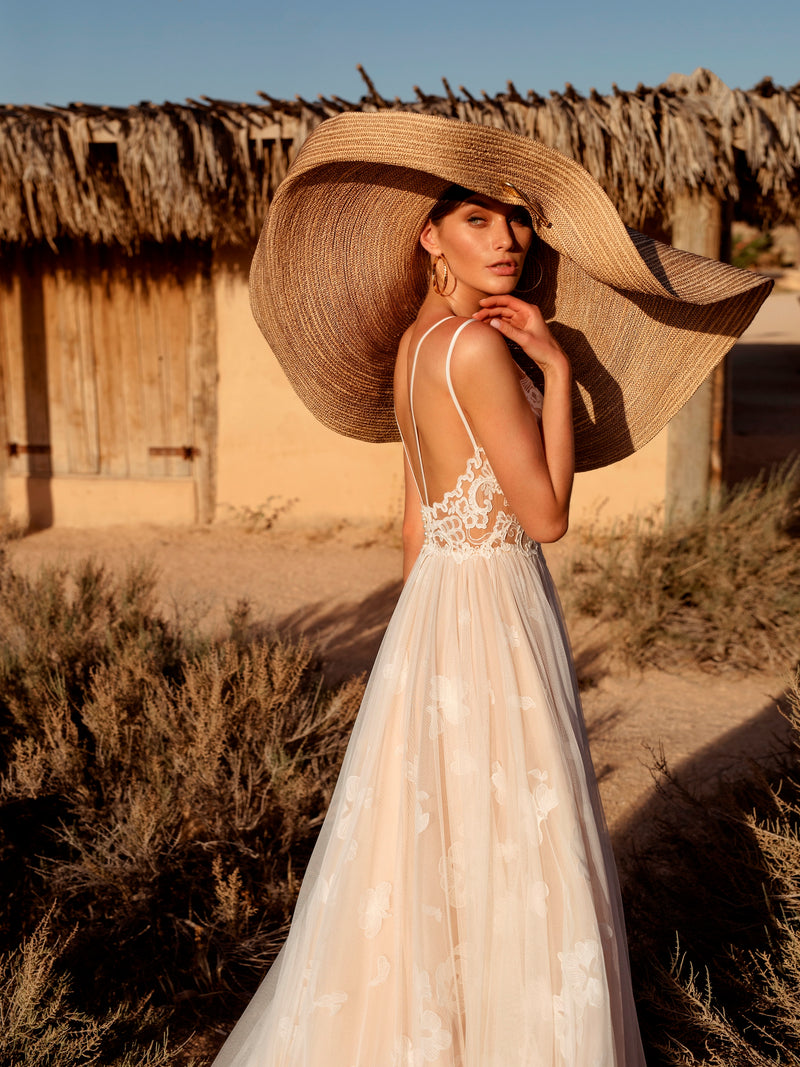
481, 352
475, 340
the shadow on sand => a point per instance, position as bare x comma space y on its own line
346, 636
698, 887
756, 747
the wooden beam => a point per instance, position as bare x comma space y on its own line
203, 364
696, 436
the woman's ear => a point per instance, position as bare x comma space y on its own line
428, 239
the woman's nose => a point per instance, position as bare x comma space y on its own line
504, 235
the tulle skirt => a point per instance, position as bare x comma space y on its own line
461, 906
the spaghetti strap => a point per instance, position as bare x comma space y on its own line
452, 390
423, 494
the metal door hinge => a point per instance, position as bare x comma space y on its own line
187, 452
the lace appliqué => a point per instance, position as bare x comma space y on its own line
533, 395
473, 518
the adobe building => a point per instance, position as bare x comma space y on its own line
134, 384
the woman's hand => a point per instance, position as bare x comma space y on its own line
524, 324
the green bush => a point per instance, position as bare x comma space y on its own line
747, 253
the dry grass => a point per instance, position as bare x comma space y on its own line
713, 904
39, 1027
723, 591
159, 796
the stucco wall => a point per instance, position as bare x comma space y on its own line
272, 451
271, 454
70, 500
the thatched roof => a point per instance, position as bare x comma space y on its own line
205, 170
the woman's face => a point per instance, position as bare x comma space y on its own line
484, 242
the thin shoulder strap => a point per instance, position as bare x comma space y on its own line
413, 419
452, 391
424, 494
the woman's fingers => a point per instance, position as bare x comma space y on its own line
507, 328
511, 309
524, 325
508, 315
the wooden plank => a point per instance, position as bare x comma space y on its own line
88, 401
35, 364
72, 396
62, 340
12, 360
108, 325
202, 347
6, 295
149, 369
126, 340
173, 314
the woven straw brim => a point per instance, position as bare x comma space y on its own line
338, 275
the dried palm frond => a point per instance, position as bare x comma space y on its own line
207, 170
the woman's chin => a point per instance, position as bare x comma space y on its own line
503, 285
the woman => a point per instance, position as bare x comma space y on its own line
461, 906
482, 244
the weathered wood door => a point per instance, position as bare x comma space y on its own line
108, 365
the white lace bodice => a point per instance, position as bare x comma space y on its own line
473, 518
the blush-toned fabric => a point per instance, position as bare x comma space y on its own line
461, 907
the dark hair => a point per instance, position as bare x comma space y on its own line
449, 201
455, 195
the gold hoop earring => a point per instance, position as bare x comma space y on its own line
440, 288
536, 283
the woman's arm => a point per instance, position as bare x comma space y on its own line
534, 467
412, 521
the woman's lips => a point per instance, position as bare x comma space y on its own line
503, 269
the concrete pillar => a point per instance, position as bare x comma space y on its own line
696, 436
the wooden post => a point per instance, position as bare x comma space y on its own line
6, 295
696, 436
203, 364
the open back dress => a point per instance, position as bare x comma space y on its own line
461, 907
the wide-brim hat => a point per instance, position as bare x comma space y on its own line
339, 275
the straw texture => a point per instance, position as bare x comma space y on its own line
338, 276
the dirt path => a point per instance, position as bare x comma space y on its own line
340, 588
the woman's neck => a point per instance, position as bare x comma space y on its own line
461, 302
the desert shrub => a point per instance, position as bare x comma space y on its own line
719, 882
60, 626
720, 591
159, 795
40, 1028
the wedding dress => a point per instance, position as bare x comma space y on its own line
461, 906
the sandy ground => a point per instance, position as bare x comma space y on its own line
339, 587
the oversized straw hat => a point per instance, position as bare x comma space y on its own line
339, 274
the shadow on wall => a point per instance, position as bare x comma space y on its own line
764, 427
35, 452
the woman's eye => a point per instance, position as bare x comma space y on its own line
475, 218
